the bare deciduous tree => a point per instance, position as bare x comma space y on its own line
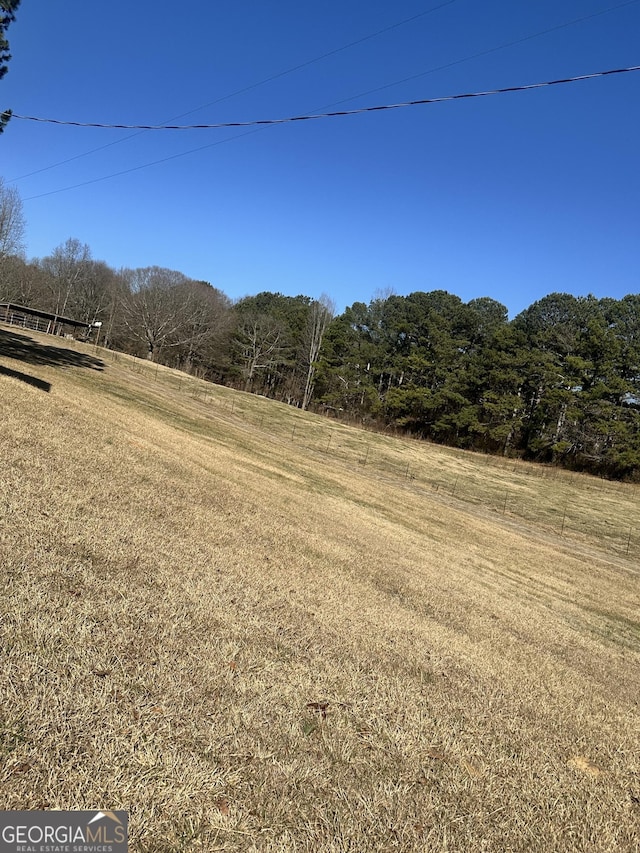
22, 282
321, 313
259, 345
67, 269
206, 326
163, 309
12, 225
94, 292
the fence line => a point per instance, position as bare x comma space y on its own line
560, 517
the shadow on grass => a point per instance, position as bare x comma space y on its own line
26, 349
24, 377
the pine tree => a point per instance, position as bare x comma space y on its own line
7, 16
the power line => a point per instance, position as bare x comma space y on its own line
144, 165
252, 86
351, 112
358, 111
344, 100
326, 56
488, 51
334, 103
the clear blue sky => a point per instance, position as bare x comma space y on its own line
513, 196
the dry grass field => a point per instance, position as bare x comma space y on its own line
260, 630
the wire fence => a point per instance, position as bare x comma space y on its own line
597, 512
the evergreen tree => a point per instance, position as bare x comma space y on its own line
7, 16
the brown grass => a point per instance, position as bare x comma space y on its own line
255, 642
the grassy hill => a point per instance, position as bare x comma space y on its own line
257, 629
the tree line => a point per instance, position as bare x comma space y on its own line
267, 344
560, 383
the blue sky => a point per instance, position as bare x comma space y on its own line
513, 196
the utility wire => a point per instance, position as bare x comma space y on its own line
256, 85
379, 108
488, 51
344, 100
262, 124
335, 103
144, 165
326, 56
